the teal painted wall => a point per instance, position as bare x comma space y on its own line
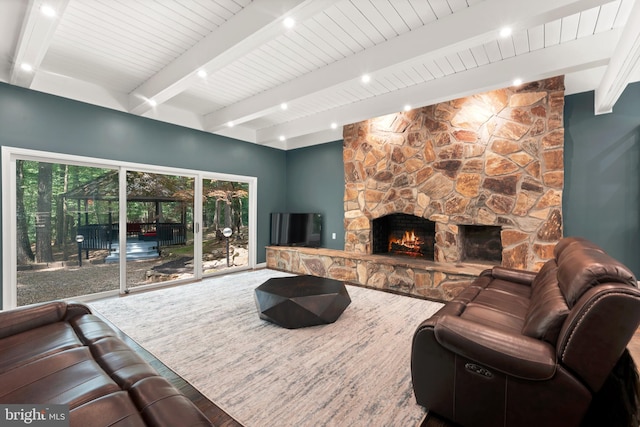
601, 199
315, 183
33, 120
602, 158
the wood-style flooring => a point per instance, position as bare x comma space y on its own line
220, 418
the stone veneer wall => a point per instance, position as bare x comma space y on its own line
405, 275
490, 159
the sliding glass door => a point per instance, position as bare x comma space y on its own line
65, 217
225, 225
160, 232
84, 226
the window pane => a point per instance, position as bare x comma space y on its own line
56, 203
225, 204
159, 228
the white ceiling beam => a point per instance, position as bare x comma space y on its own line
79, 90
544, 63
466, 28
257, 23
622, 66
35, 39
316, 138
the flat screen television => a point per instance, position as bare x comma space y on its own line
296, 229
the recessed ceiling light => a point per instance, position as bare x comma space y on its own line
284, 106
334, 125
289, 22
230, 124
202, 73
26, 67
282, 138
407, 107
48, 11
505, 32
517, 82
152, 102
366, 78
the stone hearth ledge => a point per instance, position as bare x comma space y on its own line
405, 275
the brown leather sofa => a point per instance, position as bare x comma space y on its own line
60, 353
519, 348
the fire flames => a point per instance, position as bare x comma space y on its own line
408, 243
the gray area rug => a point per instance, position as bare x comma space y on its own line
354, 372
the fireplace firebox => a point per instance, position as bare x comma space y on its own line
410, 235
402, 234
481, 243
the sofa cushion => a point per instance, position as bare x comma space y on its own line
550, 268
576, 242
13, 322
113, 410
580, 268
497, 305
91, 328
69, 377
510, 288
123, 364
547, 309
497, 300
36, 343
496, 319
163, 405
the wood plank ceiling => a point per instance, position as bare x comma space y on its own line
231, 67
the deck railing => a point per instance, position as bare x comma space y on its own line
97, 236
101, 236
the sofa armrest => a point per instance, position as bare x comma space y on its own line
75, 309
513, 354
22, 319
523, 277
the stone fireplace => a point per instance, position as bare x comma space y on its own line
486, 170
434, 194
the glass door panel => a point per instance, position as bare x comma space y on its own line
65, 218
160, 240
225, 212
68, 215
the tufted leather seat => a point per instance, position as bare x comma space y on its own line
60, 353
518, 348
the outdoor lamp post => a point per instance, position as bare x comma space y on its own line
227, 232
79, 240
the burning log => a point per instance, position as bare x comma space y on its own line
409, 243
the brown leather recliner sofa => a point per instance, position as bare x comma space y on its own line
518, 348
60, 353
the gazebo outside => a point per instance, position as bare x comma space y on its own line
147, 221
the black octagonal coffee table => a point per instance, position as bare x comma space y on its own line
300, 301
